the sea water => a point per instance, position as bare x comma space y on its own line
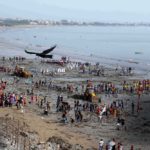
112, 45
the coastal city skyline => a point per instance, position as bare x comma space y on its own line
97, 10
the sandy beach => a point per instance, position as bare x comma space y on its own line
51, 80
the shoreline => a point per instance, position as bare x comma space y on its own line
17, 47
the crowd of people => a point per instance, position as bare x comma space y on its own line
136, 86
101, 110
112, 145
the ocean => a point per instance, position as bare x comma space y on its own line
109, 45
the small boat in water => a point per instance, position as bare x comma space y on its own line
138, 53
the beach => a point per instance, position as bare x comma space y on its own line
86, 133
70, 80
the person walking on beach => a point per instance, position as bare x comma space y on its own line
101, 144
120, 146
123, 123
132, 147
132, 105
112, 145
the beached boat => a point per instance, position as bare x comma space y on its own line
58, 62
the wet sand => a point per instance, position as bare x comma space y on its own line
86, 133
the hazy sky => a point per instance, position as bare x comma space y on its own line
79, 10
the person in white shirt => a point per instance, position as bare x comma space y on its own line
101, 144
112, 145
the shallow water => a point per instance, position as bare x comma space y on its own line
108, 45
